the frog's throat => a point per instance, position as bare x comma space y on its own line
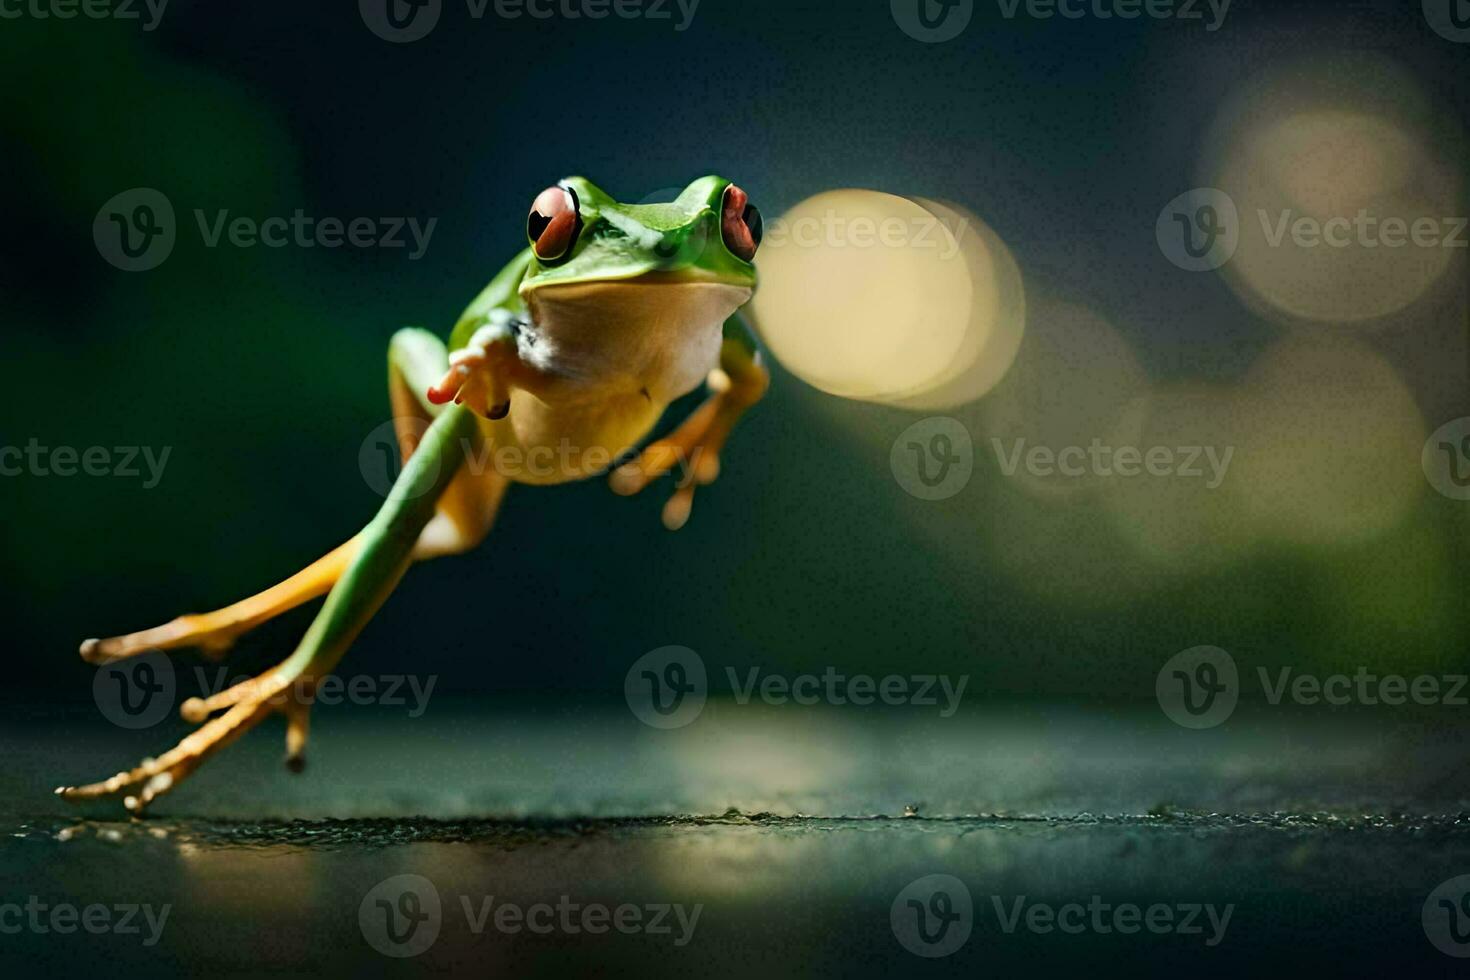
627, 335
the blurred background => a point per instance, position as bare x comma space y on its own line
261, 370
1104, 276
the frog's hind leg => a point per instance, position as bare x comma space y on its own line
438, 506
215, 632
416, 360
694, 447
385, 550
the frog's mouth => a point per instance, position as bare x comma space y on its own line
657, 301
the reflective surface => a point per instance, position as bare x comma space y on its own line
1325, 834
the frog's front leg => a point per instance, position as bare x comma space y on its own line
694, 447
480, 373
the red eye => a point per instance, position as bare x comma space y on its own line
554, 222
740, 224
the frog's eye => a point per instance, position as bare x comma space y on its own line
740, 224
554, 222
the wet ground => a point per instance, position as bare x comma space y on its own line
489, 838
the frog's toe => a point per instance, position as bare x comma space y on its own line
191, 630
691, 452
478, 372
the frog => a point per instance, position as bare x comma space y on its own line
559, 370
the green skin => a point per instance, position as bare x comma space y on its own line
586, 350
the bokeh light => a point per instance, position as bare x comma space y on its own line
997, 314
884, 298
1329, 441
1191, 518
1071, 381
1346, 188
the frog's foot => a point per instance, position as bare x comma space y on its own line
479, 373
694, 447
247, 702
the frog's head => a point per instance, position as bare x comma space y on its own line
579, 234
632, 283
